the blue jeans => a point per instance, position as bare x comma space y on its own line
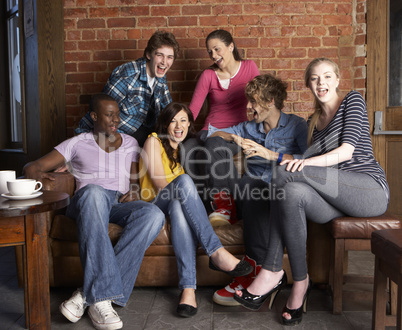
189, 225
110, 273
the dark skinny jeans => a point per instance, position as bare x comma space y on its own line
252, 195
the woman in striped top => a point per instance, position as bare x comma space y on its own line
338, 176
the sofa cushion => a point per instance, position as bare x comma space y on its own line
65, 229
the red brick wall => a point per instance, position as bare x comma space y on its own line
280, 36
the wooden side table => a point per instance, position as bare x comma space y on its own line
386, 245
23, 222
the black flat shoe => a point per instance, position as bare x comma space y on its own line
185, 310
297, 314
254, 302
243, 268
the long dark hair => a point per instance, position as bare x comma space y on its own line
165, 118
227, 39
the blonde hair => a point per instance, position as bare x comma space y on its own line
317, 107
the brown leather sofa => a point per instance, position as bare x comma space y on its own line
159, 265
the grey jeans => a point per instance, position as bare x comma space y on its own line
318, 194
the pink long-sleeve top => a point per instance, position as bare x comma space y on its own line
227, 106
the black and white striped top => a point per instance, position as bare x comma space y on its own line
350, 125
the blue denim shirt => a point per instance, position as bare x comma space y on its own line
289, 137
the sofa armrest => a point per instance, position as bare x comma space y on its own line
63, 181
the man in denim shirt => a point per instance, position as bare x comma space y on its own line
140, 88
272, 136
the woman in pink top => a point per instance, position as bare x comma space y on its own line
223, 83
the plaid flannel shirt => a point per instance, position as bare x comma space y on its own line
128, 85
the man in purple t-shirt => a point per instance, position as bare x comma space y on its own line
104, 164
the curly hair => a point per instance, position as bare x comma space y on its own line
160, 39
165, 118
265, 88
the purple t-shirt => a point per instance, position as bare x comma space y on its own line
91, 164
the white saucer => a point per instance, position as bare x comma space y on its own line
22, 203
18, 198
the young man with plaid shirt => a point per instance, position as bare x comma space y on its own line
140, 88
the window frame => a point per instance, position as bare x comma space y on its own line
6, 142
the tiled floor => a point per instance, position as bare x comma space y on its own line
154, 308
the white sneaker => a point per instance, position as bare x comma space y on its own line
220, 217
225, 210
104, 317
73, 308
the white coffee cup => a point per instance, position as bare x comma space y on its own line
23, 187
4, 177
